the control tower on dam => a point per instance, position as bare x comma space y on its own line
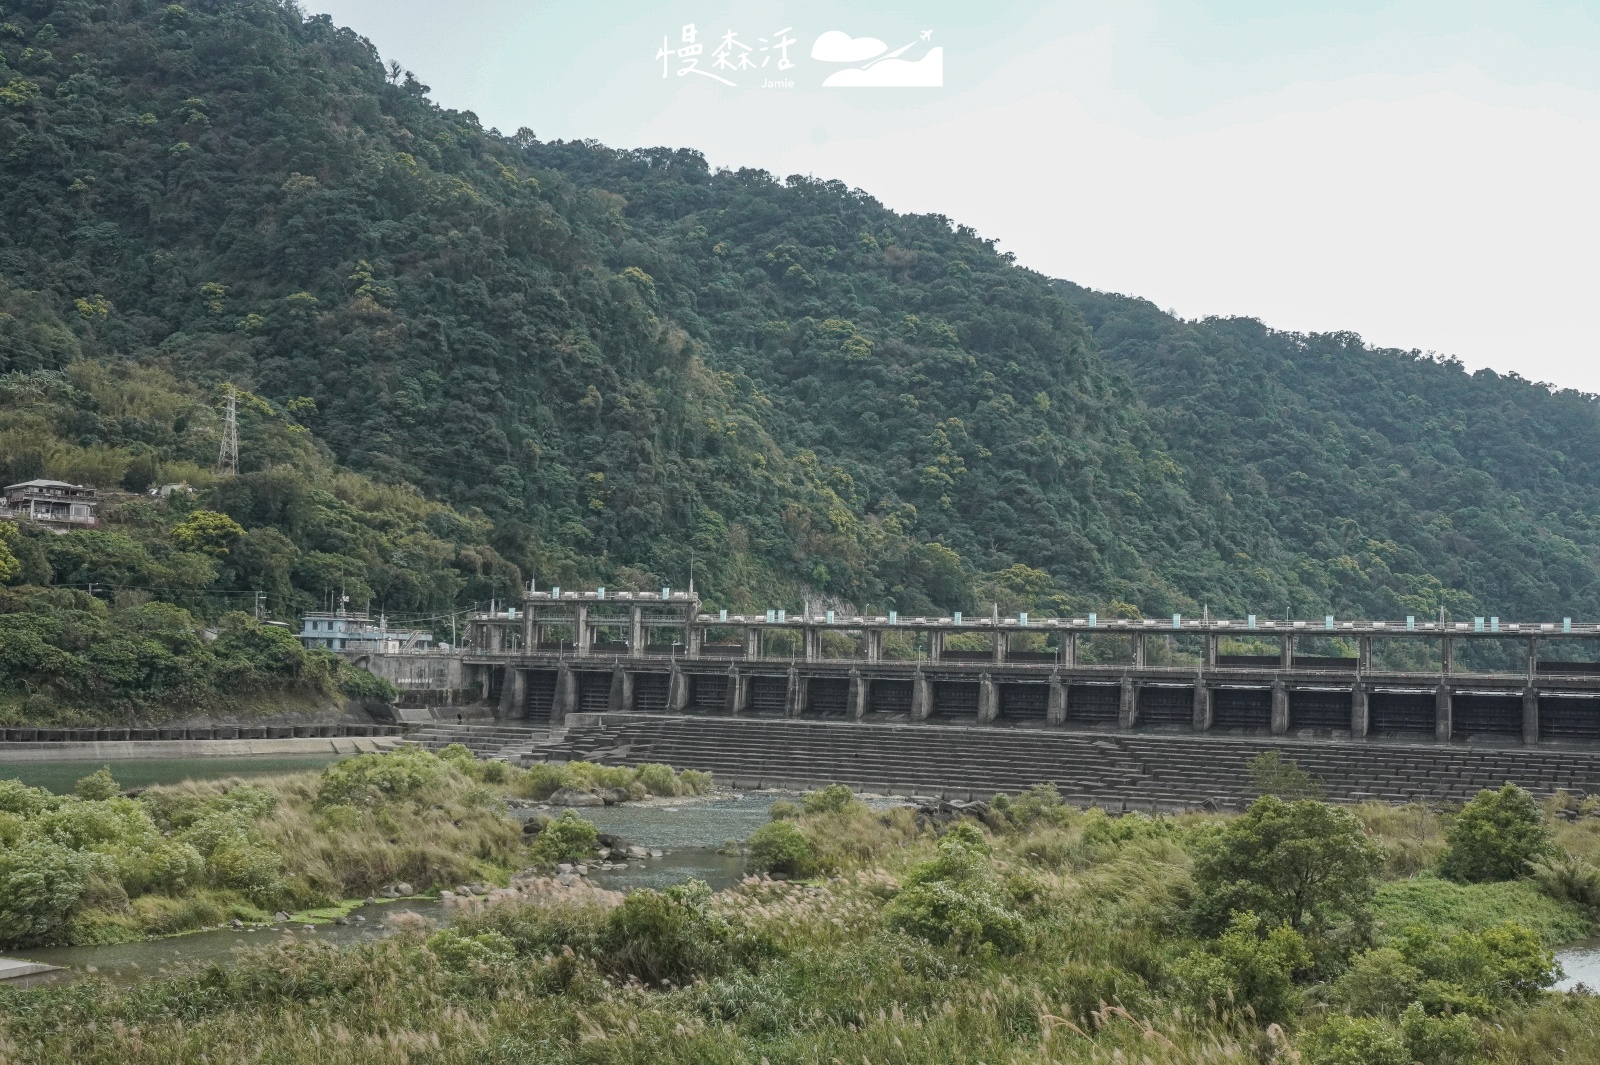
1480, 680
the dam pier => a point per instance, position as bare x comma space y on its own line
566, 652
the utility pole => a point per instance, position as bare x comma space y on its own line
228, 454
258, 605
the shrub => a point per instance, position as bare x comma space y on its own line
540, 781
371, 779
171, 867
247, 868
97, 785
1474, 972
1306, 864
1248, 965
1355, 1041
457, 754
1040, 804
41, 882
779, 847
1451, 1040
17, 798
357, 683
1496, 837
783, 810
1378, 983
1273, 774
828, 800
695, 782
460, 951
669, 936
569, 838
957, 898
658, 779
1569, 879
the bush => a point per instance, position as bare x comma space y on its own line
97, 785
372, 779
1496, 837
250, 869
357, 683
783, 810
658, 779
1355, 1041
41, 882
779, 847
957, 898
569, 838
1248, 966
460, 951
1477, 971
1569, 879
1451, 1040
670, 936
1273, 774
828, 800
1379, 983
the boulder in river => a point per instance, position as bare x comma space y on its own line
574, 797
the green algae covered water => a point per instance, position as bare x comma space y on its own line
142, 772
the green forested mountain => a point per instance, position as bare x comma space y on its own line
1384, 479
600, 363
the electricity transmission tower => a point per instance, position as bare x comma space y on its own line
228, 455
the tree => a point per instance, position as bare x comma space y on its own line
207, 532
1273, 774
1305, 864
10, 566
1496, 837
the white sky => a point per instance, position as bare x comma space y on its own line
1424, 174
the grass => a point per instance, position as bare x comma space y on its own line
817, 972
1430, 901
200, 853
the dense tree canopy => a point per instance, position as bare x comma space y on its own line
608, 363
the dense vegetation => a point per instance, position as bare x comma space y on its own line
99, 866
620, 359
473, 359
1370, 481
1027, 932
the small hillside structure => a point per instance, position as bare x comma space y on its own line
56, 505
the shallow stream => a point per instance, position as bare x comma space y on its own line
688, 833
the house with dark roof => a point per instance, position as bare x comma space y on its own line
56, 505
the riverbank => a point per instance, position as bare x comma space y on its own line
123, 750
1020, 930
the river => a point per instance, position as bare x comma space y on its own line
689, 833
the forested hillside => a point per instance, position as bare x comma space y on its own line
1391, 477
603, 362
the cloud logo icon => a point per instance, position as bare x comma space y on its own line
892, 73
836, 46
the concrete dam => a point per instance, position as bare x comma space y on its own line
1398, 709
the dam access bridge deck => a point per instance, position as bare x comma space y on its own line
1481, 679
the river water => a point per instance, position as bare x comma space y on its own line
689, 835
142, 772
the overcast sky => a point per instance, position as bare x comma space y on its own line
1423, 174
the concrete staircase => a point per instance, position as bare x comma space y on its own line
503, 742
1113, 770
